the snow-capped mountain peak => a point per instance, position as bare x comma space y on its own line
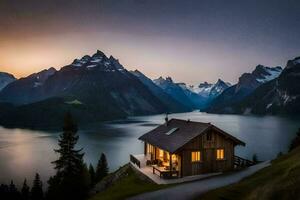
210, 90
297, 60
265, 74
292, 63
161, 81
218, 88
98, 61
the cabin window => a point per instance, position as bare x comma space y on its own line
208, 136
196, 156
174, 157
150, 149
161, 154
220, 154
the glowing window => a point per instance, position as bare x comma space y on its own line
220, 154
196, 156
160, 153
150, 148
174, 157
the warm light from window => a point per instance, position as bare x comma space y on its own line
150, 149
220, 154
196, 156
174, 157
161, 153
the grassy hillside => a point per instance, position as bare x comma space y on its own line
127, 186
279, 181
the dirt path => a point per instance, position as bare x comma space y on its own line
193, 190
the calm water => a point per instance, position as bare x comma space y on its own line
24, 152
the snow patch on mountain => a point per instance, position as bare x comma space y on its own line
269, 105
91, 66
40, 77
296, 61
210, 90
271, 73
203, 89
199, 96
98, 61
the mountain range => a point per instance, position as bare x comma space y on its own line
247, 83
211, 91
189, 95
279, 96
172, 103
94, 88
97, 88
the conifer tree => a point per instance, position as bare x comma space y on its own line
102, 168
71, 180
37, 188
92, 174
70, 160
4, 191
13, 191
25, 191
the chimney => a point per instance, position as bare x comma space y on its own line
167, 119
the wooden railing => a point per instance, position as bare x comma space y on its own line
135, 161
242, 162
165, 173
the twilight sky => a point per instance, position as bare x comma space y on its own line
190, 40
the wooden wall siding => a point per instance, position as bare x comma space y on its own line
179, 159
208, 150
192, 168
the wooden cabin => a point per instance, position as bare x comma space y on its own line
181, 148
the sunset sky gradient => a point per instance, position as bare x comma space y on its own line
192, 41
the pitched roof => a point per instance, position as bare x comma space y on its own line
178, 132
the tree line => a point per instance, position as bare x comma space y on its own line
72, 180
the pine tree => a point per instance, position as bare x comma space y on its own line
70, 160
86, 178
102, 168
13, 191
25, 191
71, 180
37, 188
92, 175
4, 191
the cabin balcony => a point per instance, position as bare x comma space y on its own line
161, 174
159, 167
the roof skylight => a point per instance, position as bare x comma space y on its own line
171, 131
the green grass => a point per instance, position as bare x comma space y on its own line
279, 181
128, 186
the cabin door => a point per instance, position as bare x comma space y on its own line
209, 160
